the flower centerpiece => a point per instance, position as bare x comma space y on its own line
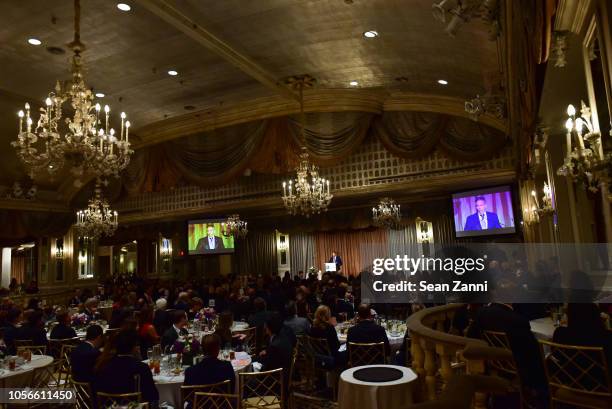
206, 314
187, 347
79, 320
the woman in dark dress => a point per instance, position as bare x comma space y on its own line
323, 327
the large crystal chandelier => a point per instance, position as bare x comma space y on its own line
98, 219
81, 135
233, 226
308, 193
584, 163
386, 213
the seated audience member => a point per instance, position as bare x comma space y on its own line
90, 308
34, 304
299, 325
366, 331
343, 307
211, 369
117, 369
182, 303
146, 331
258, 319
323, 327
224, 330
179, 322
524, 346
83, 357
585, 327
76, 300
63, 330
161, 318
11, 330
33, 329
196, 305
278, 352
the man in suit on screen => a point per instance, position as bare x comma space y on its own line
210, 243
482, 220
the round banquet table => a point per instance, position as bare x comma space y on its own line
81, 332
20, 376
543, 328
354, 393
169, 386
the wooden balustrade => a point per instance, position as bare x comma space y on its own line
52, 297
437, 354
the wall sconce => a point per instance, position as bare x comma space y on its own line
165, 249
282, 244
82, 258
59, 249
424, 231
535, 210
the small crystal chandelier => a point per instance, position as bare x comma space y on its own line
585, 164
387, 214
83, 138
308, 193
233, 226
98, 219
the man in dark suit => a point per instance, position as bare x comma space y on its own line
83, 357
335, 258
367, 331
63, 330
124, 373
33, 329
210, 370
278, 352
179, 322
482, 220
210, 243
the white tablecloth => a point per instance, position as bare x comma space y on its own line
543, 328
356, 394
19, 377
169, 386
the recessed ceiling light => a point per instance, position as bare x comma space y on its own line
173, 73
34, 41
124, 7
370, 34
442, 82
353, 83
100, 95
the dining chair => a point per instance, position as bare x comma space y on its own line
366, 353
56, 345
187, 392
109, 400
321, 362
577, 375
262, 389
34, 349
84, 395
206, 400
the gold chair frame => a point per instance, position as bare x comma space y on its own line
124, 398
187, 392
206, 400
366, 353
84, 394
575, 392
259, 389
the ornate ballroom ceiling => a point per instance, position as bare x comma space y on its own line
232, 57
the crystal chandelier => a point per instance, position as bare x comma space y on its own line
97, 219
81, 135
387, 213
585, 164
308, 193
233, 226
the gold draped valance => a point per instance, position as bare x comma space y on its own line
272, 146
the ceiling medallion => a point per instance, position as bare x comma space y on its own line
386, 214
98, 219
81, 135
307, 193
233, 226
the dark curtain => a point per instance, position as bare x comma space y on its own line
256, 254
302, 251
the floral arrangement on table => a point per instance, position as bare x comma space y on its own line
79, 320
206, 313
187, 346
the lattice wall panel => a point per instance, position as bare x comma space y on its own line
370, 165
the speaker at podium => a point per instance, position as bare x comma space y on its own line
330, 267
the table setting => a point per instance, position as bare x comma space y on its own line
12, 367
396, 329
